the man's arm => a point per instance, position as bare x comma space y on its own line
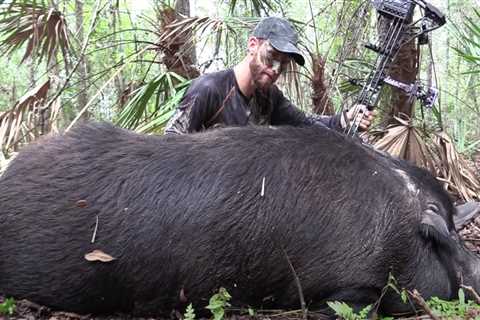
194, 110
286, 113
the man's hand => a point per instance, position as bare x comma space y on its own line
360, 114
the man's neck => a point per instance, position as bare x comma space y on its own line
244, 78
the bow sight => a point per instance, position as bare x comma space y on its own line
398, 16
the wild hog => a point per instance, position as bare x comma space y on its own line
237, 208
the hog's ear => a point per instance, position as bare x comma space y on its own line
433, 226
465, 213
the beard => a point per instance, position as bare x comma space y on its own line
260, 79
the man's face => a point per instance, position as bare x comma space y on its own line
267, 64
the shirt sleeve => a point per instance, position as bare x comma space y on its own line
194, 111
286, 113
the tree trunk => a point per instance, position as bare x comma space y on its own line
445, 95
321, 101
179, 52
13, 99
404, 68
31, 68
82, 98
182, 8
116, 24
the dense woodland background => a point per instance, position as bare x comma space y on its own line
129, 62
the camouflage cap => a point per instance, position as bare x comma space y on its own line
282, 36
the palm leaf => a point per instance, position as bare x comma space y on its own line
454, 171
407, 142
469, 35
137, 112
21, 124
222, 32
165, 112
42, 30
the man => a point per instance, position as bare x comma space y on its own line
247, 95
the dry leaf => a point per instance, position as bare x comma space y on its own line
81, 203
98, 255
454, 171
21, 124
441, 159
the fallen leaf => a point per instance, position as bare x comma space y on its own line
81, 203
98, 255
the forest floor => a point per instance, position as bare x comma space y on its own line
25, 310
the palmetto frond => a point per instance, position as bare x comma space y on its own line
27, 119
144, 114
406, 141
454, 171
42, 29
221, 32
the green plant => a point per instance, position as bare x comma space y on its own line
346, 312
7, 307
450, 309
218, 302
189, 313
393, 284
167, 89
469, 34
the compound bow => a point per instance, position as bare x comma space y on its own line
398, 15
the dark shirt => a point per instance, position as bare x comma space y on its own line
215, 100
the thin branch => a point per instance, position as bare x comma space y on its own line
95, 231
473, 292
103, 87
82, 54
317, 47
415, 295
299, 286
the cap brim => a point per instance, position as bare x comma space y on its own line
288, 48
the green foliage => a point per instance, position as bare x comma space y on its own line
469, 34
446, 309
461, 133
450, 309
189, 313
219, 35
7, 307
393, 284
167, 88
346, 312
218, 302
